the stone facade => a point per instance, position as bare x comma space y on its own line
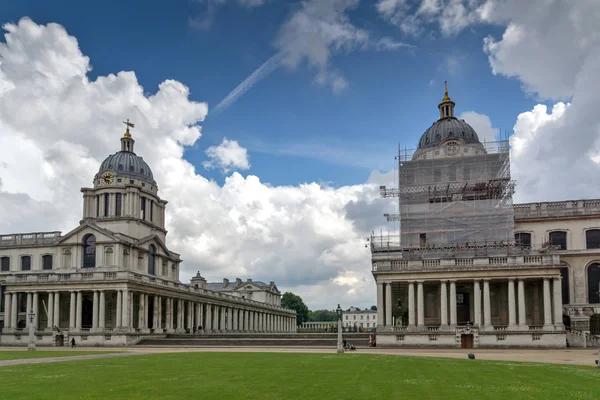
112, 280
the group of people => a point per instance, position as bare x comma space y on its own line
347, 345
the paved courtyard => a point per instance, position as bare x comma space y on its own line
576, 357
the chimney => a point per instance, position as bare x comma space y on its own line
225, 282
272, 283
248, 280
198, 281
238, 281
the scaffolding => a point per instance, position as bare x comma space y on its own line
448, 199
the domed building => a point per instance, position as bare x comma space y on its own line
471, 269
113, 281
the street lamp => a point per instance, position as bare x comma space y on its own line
31, 345
340, 346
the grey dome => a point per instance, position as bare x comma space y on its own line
126, 163
447, 128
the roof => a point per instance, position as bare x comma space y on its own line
126, 163
446, 128
228, 286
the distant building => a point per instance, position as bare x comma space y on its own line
354, 317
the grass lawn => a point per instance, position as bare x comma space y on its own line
296, 376
20, 354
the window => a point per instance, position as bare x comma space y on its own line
354, 317
151, 209
460, 298
143, 213
592, 239
346, 318
5, 264
106, 204
47, 261
151, 260
89, 251
523, 239
559, 238
593, 275
26, 263
564, 272
118, 204
97, 206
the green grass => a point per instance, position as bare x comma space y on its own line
296, 376
20, 354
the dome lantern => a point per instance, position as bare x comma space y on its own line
446, 107
127, 141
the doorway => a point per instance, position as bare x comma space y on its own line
466, 341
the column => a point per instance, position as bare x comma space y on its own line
216, 310
558, 306
191, 316
155, 313
7, 309
72, 309
453, 303
159, 321
56, 309
522, 316
95, 311
208, 318
444, 304
487, 309
235, 319
547, 305
512, 310
141, 311
29, 302
35, 310
102, 314
477, 305
119, 304
50, 310
201, 315
420, 305
125, 309
380, 305
79, 310
245, 320
388, 305
411, 304
13, 311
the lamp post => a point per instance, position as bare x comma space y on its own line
340, 346
31, 345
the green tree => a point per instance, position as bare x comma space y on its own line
294, 302
322, 315
373, 308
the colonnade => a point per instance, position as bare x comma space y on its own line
482, 316
142, 312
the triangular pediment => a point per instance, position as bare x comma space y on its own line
156, 240
76, 235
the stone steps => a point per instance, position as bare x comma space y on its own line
254, 340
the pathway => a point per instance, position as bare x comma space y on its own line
21, 361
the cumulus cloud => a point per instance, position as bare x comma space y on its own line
227, 156
57, 125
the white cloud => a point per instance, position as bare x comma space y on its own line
205, 19
227, 156
57, 125
482, 125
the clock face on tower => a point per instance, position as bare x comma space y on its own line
452, 148
107, 178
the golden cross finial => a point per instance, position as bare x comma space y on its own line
129, 125
446, 97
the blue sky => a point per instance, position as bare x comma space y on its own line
294, 129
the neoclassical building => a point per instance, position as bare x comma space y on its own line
470, 268
112, 280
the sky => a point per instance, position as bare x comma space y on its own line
270, 124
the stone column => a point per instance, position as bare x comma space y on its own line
79, 310
477, 307
29, 303
56, 309
191, 316
388, 305
14, 310
380, 305
487, 309
235, 319
558, 306
246, 321
208, 318
201, 315
512, 310
50, 310
35, 309
141, 311
95, 310
119, 305
547, 305
522, 315
72, 309
453, 303
102, 316
444, 304
125, 309
7, 310
420, 305
411, 304
216, 318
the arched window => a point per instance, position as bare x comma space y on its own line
151, 260
523, 239
564, 272
592, 239
89, 251
559, 238
593, 275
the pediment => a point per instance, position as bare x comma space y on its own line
144, 242
76, 235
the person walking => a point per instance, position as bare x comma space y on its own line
73, 343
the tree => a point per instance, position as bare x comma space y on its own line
293, 302
322, 315
373, 308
